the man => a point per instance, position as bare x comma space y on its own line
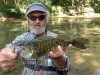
53, 64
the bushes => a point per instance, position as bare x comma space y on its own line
1, 14
13, 12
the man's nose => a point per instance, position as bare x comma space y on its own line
37, 20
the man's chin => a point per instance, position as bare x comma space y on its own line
37, 32
37, 27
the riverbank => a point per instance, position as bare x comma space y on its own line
80, 16
58, 16
10, 19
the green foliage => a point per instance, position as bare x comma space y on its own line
96, 5
96, 8
13, 12
11, 8
1, 14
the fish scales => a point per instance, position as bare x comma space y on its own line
42, 47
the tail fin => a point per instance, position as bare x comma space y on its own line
80, 43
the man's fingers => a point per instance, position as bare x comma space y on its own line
9, 53
53, 54
61, 51
8, 67
68, 47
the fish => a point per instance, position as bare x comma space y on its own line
41, 47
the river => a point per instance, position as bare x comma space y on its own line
83, 62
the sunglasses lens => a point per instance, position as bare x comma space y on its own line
41, 17
33, 18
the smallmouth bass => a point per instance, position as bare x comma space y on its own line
39, 48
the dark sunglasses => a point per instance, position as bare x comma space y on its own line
34, 18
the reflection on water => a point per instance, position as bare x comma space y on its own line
83, 62
10, 29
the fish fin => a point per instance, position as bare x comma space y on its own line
81, 46
46, 38
82, 40
65, 37
80, 43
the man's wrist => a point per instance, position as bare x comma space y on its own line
60, 57
56, 58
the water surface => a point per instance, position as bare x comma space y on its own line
83, 62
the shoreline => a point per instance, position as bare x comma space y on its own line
79, 16
59, 16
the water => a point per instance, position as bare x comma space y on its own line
83, 62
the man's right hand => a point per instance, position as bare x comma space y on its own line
7, 59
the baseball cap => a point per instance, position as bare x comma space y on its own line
35, 7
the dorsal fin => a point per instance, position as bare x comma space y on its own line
46, 38
65, 37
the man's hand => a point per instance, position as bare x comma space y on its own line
7, 59
60, 52
58, 58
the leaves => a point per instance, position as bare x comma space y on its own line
21, 4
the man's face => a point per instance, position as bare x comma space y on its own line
37, 22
